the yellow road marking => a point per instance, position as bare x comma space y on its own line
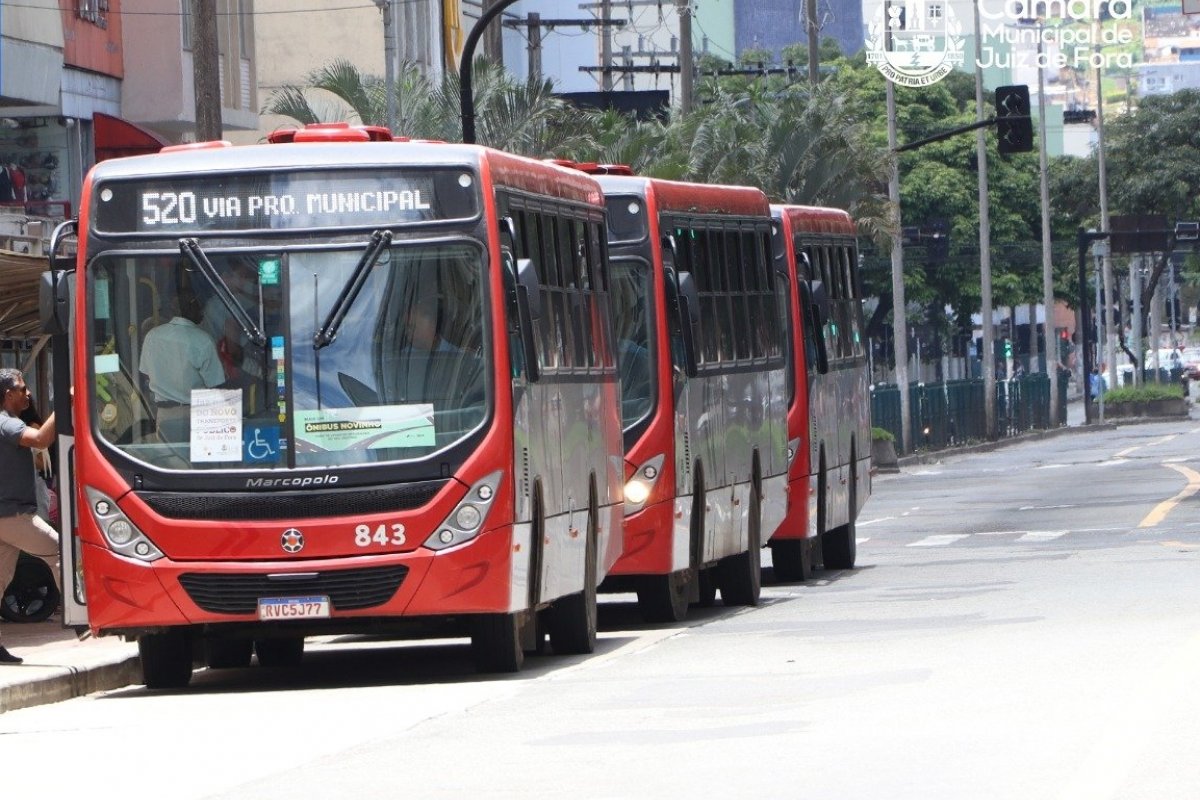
1162, 509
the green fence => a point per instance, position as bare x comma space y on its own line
952, 413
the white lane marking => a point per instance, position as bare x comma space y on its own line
939, 540
1043, 508
1127, 451
861, 539
1163, 440
1116, 462
873, 521
1053, 466
996, 533
1041, 536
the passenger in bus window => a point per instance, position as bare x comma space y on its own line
177, 357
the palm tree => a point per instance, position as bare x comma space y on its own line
520, 117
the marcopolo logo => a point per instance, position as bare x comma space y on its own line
915, 42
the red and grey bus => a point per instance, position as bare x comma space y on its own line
700, 312
829, 403
419, 423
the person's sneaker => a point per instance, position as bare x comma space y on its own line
8, 658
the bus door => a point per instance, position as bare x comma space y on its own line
55, 300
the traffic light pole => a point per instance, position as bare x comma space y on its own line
1085, 240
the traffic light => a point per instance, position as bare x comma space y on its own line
1008, 348
1014, 127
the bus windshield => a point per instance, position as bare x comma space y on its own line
180, 384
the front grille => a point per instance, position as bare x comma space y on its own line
266, 504
347, 589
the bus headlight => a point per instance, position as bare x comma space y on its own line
121, 535
641, 484
465, 520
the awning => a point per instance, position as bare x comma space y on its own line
116, 138
21, 275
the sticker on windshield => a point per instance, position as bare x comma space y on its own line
216, 420
365, 428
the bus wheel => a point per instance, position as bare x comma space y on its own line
841, 544
496, 643
284, 652
793, 560
664, 598
222, 653
740, 576
166, 659
572, 619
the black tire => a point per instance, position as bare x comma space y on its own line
793, 560
706, 585
279, 652
572, 620
841, 543
740, 576
664, 598
496, 643
221, 653
166, 659
32, 595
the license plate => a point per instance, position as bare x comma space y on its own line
293, 608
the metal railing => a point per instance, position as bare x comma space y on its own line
952, 413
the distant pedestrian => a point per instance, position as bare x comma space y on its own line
1098, 384
20, 526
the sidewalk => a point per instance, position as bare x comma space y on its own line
58, 666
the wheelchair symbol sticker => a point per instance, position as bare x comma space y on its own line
260, 444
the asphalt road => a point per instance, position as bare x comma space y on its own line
1023, 623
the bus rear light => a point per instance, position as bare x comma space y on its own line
639, 487
121, 535
466, 519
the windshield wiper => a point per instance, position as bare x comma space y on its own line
191, 249
380, 240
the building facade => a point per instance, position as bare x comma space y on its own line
81, 80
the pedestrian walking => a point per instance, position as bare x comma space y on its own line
20, 526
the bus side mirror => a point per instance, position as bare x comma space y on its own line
529, 308
54, 303
689, 321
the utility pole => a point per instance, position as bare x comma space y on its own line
1051, 341
534, 23
206, 71
389, 59
1110, 339
985, 248
814, 31
685, 55
605, 46
899, 317
493, 40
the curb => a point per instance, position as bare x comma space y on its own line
54, 684
935, 456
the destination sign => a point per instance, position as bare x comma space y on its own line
283, 200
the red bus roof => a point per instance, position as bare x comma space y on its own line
816, 219
693, 198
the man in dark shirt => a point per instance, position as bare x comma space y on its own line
20, 526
